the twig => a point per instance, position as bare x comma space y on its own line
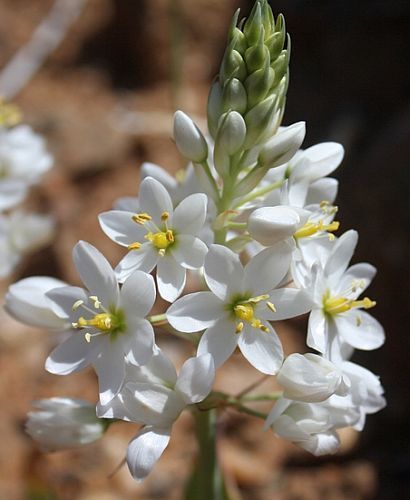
46, 37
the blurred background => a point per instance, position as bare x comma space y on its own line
104, 100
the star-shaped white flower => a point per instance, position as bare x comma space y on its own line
160, 236
241, 301
108, 321
338, 321
155, 396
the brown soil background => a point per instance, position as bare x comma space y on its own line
104, 100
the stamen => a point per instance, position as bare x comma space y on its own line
134, 246
95, 299
271, 306
77, 304
239, 327
338, 305
161, 240
164, 216
311, 228
141, 218
259, 298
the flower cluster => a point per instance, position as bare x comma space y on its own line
23, 161
254, 219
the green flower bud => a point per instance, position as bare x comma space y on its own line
189, 139
257, 55
258, 84
231, 133
230, 137
276, 41
253, 24
234, 96
233, 65
214, 107
257, 119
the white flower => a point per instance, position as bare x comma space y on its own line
21, 233
27, 302
109, 321
338, 318
311, 378
64, 423
309, 425
160, 236
23, 160
306, 173
241, 302
155, 396
366, 391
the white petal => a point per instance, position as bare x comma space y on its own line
195, 312
26, 301
223, 271
317, 331
189, 251
322, 189
341, 254
262, 350
144, 259
160, 174
144, 451
12, 192
170, 278
324, 159
362, 272
267, 268
71, 355
110, 368
324, 443
96, 273
219, 340
139, 343
196, 378
289, 302
119, 226
62, 300
154, 199
127, 204
360, 330
269, 225
138, 294
190, 214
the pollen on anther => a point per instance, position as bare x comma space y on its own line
271, 306
164, 216
77, 304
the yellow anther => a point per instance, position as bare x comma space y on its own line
239, 327
259, 298
77, 304
324, 204
271, 306
141, 218
134, 246
164, 216
170, 236
365, 303
244, 312
96, 300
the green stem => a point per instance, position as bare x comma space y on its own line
259, 192
211, 179
273, 396
206, 482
